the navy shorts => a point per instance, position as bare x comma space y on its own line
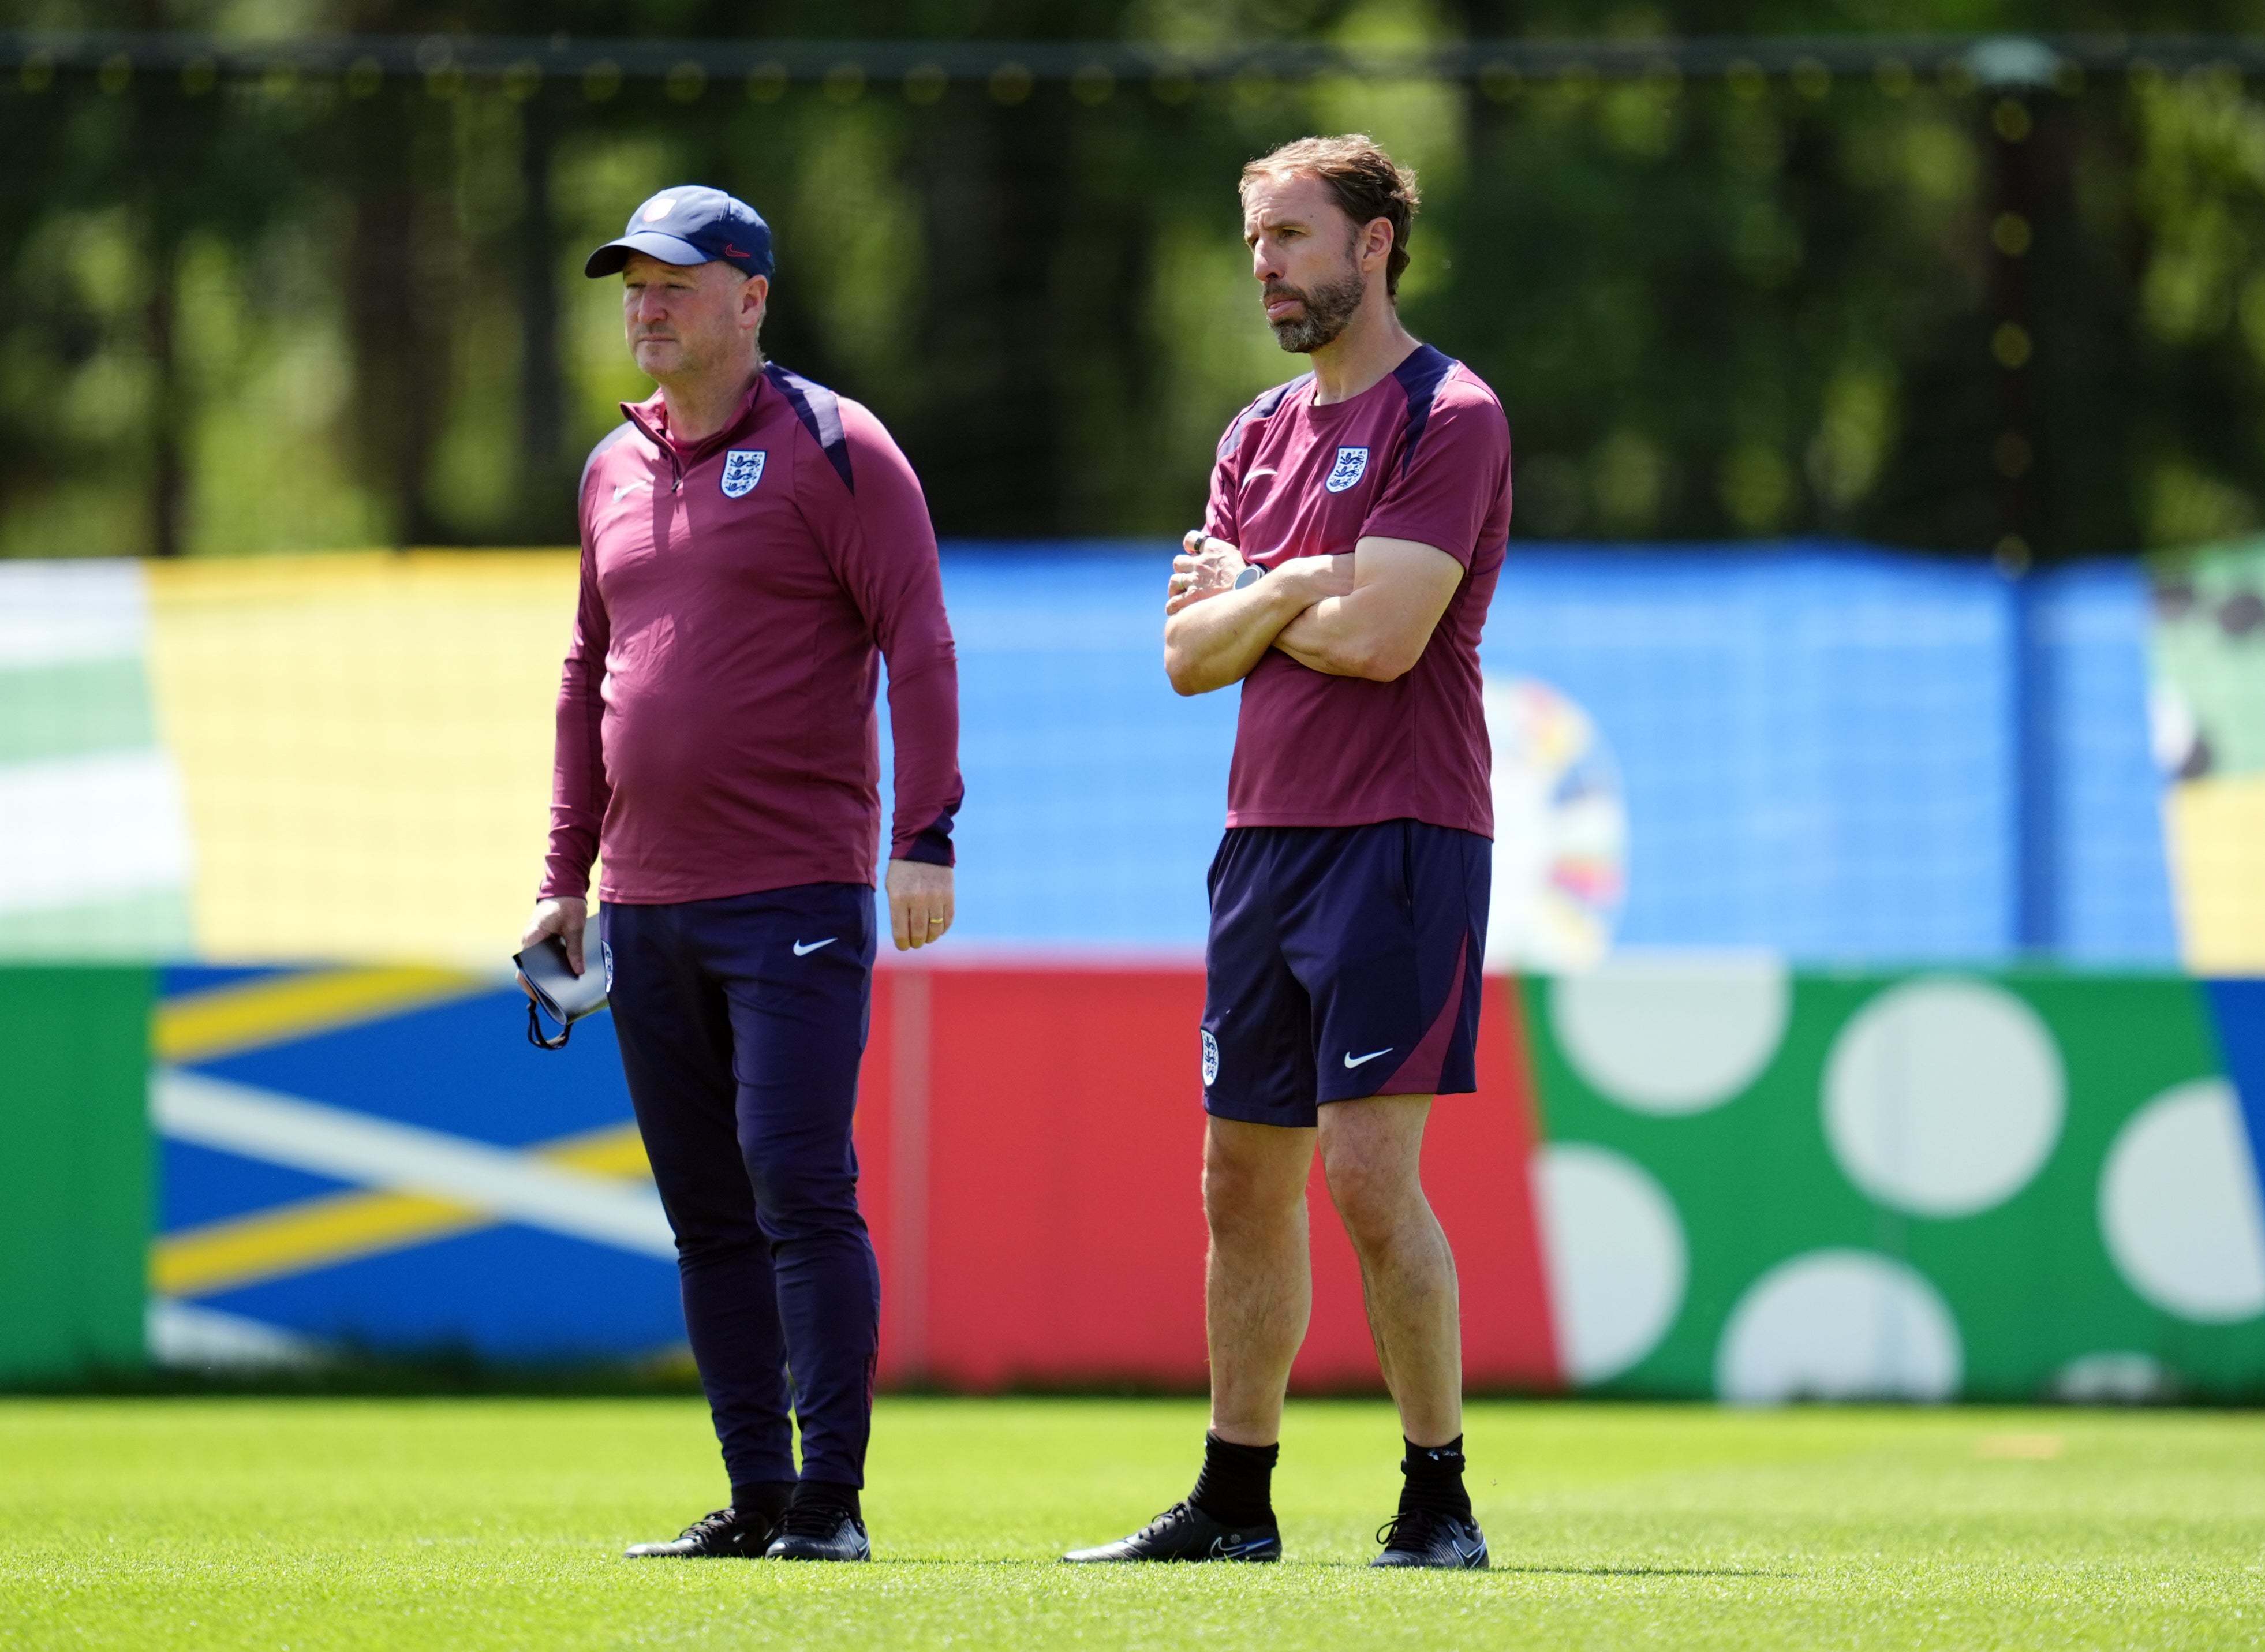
1344, 963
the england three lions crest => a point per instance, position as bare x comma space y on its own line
1351, 463
743, 468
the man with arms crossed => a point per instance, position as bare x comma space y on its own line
1357, 526
752, 545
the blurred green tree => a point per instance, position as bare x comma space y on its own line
283, 311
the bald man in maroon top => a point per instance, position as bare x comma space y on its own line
1356, 529
754, 546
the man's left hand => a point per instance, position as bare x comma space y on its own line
919, 903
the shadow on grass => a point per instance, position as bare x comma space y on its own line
1641, 1571
1054, 1565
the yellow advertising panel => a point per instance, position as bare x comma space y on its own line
364, 745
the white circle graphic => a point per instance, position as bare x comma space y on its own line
1673, 1032
1838, 1325
2179, 1206
2118, 1376
1943, 1097
1613, 1250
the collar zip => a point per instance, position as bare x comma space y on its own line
660, 439
636, 415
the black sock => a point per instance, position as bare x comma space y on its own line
1236, 1485
825, 1493
766, 1497
1434, 1478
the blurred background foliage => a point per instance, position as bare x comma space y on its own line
247, 315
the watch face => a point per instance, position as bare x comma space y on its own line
1249, 576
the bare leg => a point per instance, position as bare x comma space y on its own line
1371, 1153
1259, 1280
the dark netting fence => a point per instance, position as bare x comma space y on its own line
1988, 295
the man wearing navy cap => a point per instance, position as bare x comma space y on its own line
753, 547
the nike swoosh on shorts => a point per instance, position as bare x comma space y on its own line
800, 950
1352, 1061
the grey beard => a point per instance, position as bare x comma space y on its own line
1329, 308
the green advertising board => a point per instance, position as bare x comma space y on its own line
76, 1170
2000, 1187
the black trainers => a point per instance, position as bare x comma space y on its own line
725, 1534
1425, 1537
820, 1532
1185, 1533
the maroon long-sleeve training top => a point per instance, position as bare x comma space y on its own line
717, 732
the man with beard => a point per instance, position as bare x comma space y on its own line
1357, 526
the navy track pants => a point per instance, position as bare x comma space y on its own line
741, 1021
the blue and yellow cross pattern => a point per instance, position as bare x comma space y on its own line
375, 1158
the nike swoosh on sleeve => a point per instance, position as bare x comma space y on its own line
1352, 1061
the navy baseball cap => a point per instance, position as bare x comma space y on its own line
690, 225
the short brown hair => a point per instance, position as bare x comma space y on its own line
1365, 181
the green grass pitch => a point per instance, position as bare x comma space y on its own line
471, 1524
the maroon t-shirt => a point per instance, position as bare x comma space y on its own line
716, 722
1423, 454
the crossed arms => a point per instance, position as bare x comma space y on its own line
1367, 614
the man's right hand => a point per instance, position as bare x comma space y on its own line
1206, 567
565, 916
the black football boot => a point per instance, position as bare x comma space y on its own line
1426, 1537
726, 1534
1185, 1533
820, 1531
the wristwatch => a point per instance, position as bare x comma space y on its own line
1250, 575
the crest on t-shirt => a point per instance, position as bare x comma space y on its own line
1352, 462
743, 468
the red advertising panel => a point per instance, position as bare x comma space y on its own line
1032, 1139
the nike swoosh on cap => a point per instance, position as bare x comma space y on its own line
800, 950
1352, 1061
